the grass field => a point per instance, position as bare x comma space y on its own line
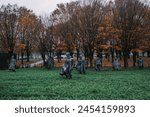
42, 84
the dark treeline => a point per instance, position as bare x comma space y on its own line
92, 26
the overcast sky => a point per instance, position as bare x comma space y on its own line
39, 7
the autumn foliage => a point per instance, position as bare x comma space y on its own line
91, 26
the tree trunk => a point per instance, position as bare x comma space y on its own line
51, 53
112, 54
125, 57
143, 53
43, 57
108, 57
134, 59
117, 53
59, 55
10, 54
28, 51
91, 58
77, 54
28, 56
120, 55
148, 53
91, 62
18, 56
22, 54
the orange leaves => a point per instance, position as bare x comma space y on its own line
64, 47
26, 21
26, 18
118, 48
137, 50
20, 47
104, 47
61, 47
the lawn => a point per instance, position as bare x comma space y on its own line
43, 84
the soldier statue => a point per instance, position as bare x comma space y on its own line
50, 63
12, 64
67, 67
140, 63
116, 64
98, 64
81, 65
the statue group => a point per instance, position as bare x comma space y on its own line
81, 64
69, 64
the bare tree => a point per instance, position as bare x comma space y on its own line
44, 37
9, 27
64, 30
128, 19
87, 21
26, 29
48, 22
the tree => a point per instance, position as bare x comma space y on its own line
8, 27
128, 19
64, 29
40, 37
145, 41
44, 37
26, 29
48, 22
87, 20
21, 48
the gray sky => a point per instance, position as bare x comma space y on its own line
39, 7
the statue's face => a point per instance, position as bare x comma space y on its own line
67, 54
12, 57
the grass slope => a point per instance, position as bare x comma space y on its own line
42, 84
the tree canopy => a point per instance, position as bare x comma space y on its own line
90, 26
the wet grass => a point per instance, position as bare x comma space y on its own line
43, 84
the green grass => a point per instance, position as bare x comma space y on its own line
43, 84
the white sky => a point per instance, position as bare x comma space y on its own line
39, 7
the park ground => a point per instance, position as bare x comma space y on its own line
44, 84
